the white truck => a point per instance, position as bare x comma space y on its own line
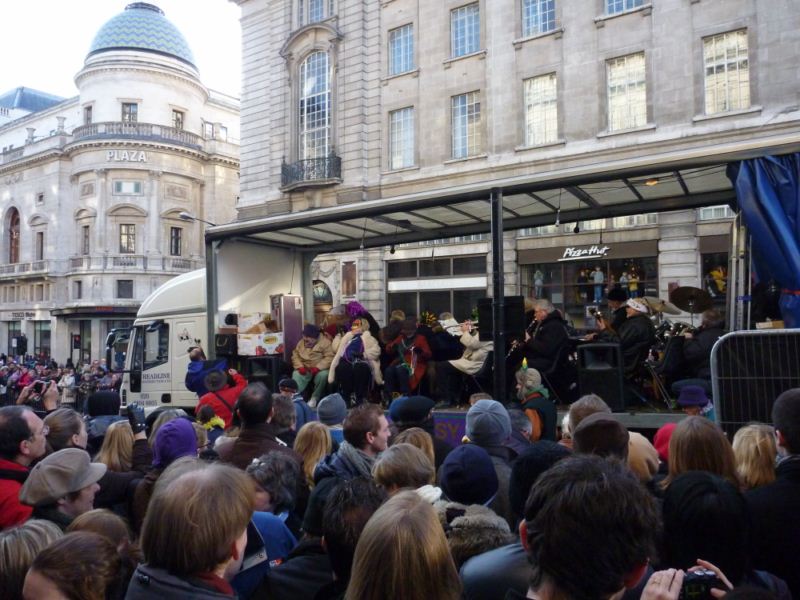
154, 352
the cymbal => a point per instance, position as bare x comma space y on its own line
662, 306
691, 299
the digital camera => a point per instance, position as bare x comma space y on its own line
697, 585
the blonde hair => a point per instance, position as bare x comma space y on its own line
404, 531
755, 451
313, 443
697, 444
418, 437
117, 450
201, 434
18, 547
403, 466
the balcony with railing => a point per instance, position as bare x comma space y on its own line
137, 131
311, 172
36, 268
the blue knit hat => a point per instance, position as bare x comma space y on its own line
332, 410
467, 475
174, 440
410, 409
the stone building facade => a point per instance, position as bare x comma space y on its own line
345, 101
92, 187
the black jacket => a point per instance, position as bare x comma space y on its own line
776, 524
305, 571
636, 336
697, 351
541, 350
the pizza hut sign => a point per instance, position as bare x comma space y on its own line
588, 252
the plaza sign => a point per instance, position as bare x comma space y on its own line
589, 252
126, 156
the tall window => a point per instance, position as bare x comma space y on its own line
727, 72
130, 112
401, 138
401, 49
541, 110
616, 6
313, 11
538, 16
127, 239
177, 119
465, 30
315, 106
466, 124
87, 115
85, 240
175, 234
627, 92
77, 290
13, 236
39, 250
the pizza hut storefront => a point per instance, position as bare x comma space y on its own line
575, 278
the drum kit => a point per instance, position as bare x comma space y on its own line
683, 299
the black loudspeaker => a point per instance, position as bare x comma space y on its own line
514, 317
225, 344
601, 372
266, 369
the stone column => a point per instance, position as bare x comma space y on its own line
102, 229
153, 248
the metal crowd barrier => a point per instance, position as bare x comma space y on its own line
749, 370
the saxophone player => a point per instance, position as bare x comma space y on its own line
542, 345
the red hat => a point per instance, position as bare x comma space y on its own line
661, 440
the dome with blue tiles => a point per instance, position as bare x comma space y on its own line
142, 26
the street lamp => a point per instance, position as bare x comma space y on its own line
189, 217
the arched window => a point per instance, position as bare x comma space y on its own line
315, 107
13, 236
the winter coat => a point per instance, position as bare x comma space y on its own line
150, 582
475, 353
277, 542
319, 357
472, 530
12, 511
304, 572
543, 347
335, 465
635, 336
372, 352
776, 524
196, 374
253, 442
417, 360
543, 416
224, 407
697, 351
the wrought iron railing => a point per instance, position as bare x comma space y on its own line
312, 171
147, 131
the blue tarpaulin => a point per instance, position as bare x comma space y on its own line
768, 191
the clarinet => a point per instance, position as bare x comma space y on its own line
532, 329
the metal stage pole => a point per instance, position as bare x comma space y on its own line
499, 299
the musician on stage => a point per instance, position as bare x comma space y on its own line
450, 373
546, 336
617, 297
636, 335
697, 347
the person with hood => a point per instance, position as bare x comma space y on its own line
311, 360
174, 440
535, 401
355, 366
412, 353
636, 335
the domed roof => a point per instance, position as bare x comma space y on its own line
142, 26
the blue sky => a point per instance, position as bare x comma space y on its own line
43, 42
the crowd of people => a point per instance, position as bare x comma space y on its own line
262, 495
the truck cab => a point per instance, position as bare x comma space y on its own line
170, 322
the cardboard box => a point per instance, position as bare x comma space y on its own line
250, 321
770, 325
259, 344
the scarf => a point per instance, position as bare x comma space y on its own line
355, 349
360, 461
214, 422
